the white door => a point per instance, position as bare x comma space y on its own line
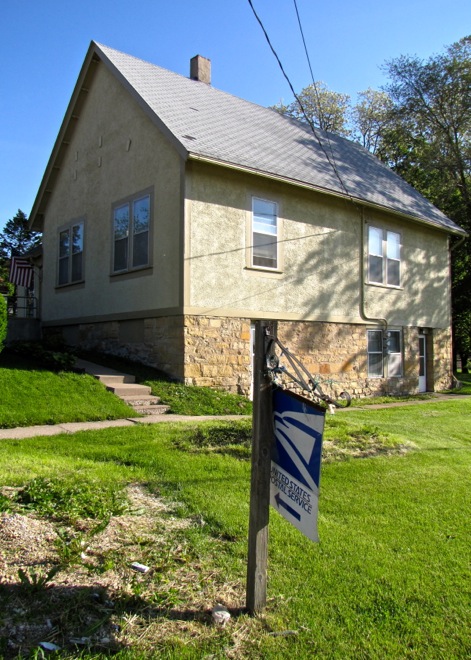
422, 364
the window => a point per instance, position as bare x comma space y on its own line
71, 254
384, 257
394, 353
264, 233
375, 353
131, 223
384, 350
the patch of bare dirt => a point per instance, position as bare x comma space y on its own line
76, 588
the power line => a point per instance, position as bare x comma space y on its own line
330, 160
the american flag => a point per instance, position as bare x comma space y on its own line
21, 272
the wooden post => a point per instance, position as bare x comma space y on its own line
256, 595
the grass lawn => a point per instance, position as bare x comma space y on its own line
32, 395
391, 577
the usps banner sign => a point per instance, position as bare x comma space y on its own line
296, 460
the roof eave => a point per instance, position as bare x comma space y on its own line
63, 139
94, 56
457, 231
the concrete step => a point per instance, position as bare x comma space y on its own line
136, 400
103, 373
129, 389
152, 410
116, 379
123, 385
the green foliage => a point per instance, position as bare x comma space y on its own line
57, 360
62, 500
3, 321
194, 400
321, 107
465, 383
17, 238
36, 580
222, 434
231, 438
6, 504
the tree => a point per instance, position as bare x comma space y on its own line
17, 239
3, 321
370, 118
322, 107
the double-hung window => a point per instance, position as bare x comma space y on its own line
70, 268
394, 353
384, 352
375, 354
264, 233
131, 230
384, 257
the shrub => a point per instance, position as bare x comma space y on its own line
3, 321
58, 360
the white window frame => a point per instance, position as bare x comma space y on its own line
130, 235
392, 362
260, 230
71, 254
371, 373
387, 253
394, 353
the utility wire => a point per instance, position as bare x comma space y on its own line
314, 84
309, 121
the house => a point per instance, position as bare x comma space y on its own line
174, 215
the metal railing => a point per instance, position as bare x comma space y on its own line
25, 307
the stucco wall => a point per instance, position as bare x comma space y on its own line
319, 277
424, 296
115, 152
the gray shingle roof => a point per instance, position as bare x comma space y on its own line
207, 123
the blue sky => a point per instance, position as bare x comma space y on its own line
43, 44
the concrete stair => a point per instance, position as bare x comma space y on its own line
123, 385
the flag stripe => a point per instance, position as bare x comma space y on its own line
21, 272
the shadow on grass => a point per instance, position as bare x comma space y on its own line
82, 618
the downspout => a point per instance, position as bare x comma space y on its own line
362, 311
363, 314
462, 239
454, 358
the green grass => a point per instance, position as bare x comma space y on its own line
34, 396
390, 577
182, 399
465, 379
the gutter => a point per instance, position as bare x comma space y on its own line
325, 191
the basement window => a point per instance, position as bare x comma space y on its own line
384, 353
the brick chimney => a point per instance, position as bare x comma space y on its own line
200, 69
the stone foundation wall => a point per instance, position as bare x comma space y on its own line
440, 363
336, 354
216, 352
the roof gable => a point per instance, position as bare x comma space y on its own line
205, 123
